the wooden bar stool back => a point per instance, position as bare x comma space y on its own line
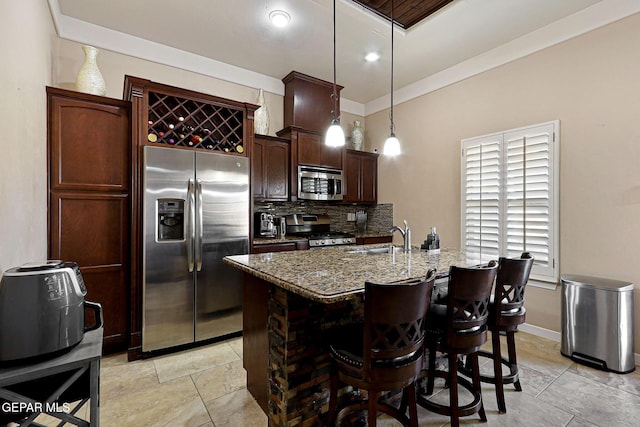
459, 328
506, 312
385, 352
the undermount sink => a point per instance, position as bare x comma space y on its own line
373, 251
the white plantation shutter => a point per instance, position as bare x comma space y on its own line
509, 196
482, 196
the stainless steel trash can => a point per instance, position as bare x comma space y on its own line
597, 322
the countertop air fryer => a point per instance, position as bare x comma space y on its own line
42, 310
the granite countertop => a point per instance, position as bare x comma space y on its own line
329, 275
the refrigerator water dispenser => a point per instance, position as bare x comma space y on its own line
170, 219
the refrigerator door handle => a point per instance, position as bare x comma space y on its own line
199, 237
191, 231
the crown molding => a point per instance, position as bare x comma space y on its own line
593, 17
589, 19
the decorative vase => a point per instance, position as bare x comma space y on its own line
90, 78
261, 116
357, 136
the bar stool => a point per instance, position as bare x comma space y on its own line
459, 328
506, 312
385, 352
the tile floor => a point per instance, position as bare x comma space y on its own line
206, 387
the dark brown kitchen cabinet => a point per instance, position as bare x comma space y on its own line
313, 151
89, 203
270, 168
308, 102
372, 240
361, 177
308, 148
297, 245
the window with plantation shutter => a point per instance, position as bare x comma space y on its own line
482, 196
509, 196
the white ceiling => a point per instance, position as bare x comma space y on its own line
207, 36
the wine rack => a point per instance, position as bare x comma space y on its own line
184, 122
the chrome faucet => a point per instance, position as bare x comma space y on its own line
406, 235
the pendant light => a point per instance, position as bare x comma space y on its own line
391, 145
335, 134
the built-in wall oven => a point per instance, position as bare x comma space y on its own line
319, 183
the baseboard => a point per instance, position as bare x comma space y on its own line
556, 336
540, 332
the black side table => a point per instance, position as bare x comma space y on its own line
47, 386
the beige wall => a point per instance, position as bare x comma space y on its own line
115, 66
589, 83
44, 59
592, 85
26, 39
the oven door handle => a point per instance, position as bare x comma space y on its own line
331, 187
337, 186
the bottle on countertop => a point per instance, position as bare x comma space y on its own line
432, 244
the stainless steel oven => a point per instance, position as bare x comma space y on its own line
317, 228
319, 183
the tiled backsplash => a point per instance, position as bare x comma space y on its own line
380, 217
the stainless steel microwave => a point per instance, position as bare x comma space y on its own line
319, 183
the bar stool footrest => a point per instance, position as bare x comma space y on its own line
363, 406
511, 378
464, 410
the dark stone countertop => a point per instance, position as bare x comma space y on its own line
333, 274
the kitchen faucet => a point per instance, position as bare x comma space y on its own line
406, 235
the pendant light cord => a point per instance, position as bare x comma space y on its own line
335, 94
391, 112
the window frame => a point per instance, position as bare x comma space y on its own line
548, 279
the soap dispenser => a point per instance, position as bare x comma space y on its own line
432, 244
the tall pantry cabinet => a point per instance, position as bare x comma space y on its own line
89, 203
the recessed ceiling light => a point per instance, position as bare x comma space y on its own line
372, 57
279, 18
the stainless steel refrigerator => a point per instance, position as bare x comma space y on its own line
196, 211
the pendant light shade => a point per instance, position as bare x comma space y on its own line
391, 145
335, 134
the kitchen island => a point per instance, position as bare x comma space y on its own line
291, 302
